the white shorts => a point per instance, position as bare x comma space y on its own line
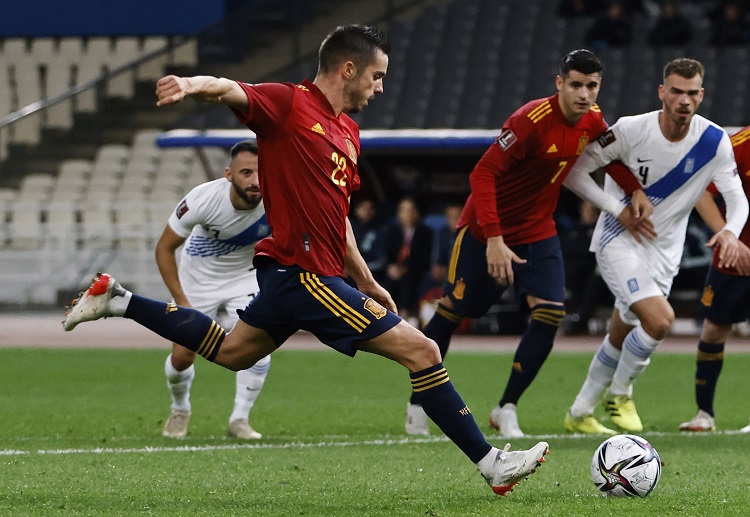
630, 279
208, 294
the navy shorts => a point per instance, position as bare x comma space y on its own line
293, 299
726, 298
473, 291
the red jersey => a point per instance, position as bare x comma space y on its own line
307, 161
741, 146
515, 186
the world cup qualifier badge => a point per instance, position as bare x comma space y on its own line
607, 138
506, 139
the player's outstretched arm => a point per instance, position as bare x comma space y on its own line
173, 89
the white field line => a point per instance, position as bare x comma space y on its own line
318, 444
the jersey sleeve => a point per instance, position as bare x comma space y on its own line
269, 107
509, 148
727, 181
186, 215
623, 177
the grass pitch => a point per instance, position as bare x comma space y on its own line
81, 435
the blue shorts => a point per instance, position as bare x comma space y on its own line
473, 291
293, 299
726, 298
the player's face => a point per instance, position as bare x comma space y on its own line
681, 97
362, 87
243, 173
578, 93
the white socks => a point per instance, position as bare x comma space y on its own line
249, 383
487, 463
636, 356
601, 371
179, 384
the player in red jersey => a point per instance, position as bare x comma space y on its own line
308, 150
725, 300
506, 234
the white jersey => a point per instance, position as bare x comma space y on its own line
673, 175
217, 256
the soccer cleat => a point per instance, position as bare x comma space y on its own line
700, 423
622, 412
416, 420
745, 429
505, 421
241, 429
512, 467
93, 303
177, 424
586, 424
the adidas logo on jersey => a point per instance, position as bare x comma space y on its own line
552, 149
318, 129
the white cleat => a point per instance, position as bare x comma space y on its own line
176, 425
512, 467
700, 423
505, 421
416, 420
93, 303
241, 429
745, 429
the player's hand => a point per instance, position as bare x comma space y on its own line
636, 226
743, 260
729, 248
642, 206
171, 90
500, 259
378, 293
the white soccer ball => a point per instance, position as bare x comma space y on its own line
625, 466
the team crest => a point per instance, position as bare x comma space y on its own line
375, 308
582, 142
459, 289
708, 296
633, 285
352, 151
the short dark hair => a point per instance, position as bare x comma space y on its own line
684, 67
249, 145
351, 42
580, 60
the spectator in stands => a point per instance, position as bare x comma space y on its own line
611, 30
731, 28
579, 8
586, 289
443, 244
370, 234
408, 251
671, 28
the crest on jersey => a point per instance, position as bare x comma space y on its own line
506, 139
708, 296
352, 151
607, 138
582, 142
689, 166
375, 308
181, 209
633, 285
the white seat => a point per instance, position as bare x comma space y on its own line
25, 228
94, 60
75, 169
70, 50
97, 226
36, 187
62, 226
186, 54
16, 49
146, 137
68, 192
43, 50
154, 68
27, 91
132, 223
126, 50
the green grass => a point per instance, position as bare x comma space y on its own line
80, 434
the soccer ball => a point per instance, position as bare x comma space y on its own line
625, 466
